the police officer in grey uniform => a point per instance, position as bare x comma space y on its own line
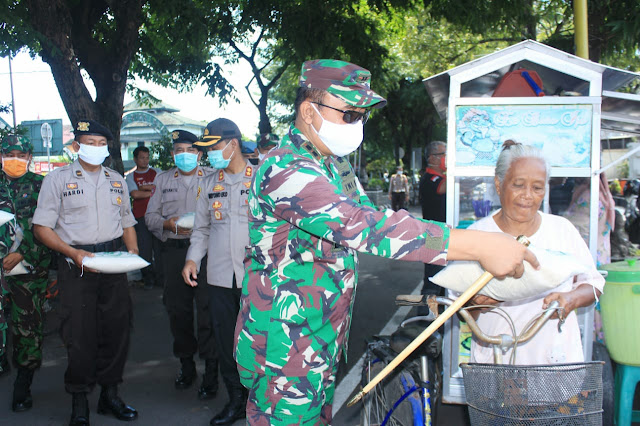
176, 192
222, 232
84, 208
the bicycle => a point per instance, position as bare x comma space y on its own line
412, 394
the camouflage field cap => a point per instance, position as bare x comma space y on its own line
219, 130
267, 140
182, 136
347, 81
15, 142
91, 127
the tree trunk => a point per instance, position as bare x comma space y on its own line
68, 45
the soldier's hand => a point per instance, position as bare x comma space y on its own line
503, 256
11, 260
190, 273
78, 256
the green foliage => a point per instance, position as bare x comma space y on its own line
622, 169
160, 154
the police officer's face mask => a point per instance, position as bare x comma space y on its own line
341, 139
94, 155
217, 160
186, 161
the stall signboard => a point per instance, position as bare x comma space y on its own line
562, 132
42, 167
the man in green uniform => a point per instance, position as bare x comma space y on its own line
308, 216
7, 235
27, 289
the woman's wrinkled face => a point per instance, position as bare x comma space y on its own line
523, 189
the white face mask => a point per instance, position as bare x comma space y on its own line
261, 156
94, 155
341, 139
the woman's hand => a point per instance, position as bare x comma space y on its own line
579, 297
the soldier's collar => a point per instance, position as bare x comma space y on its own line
301, 142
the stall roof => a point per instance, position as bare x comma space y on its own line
620, 111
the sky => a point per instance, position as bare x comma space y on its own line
36, 95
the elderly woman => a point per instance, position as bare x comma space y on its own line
521, 176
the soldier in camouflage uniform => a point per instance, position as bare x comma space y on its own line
7, 235
27, 291
308, 217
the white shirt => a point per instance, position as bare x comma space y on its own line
547, 346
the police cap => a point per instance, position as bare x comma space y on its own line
219, 130
182, 136
91, 127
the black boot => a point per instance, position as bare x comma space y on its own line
209, 387
110, 403
235, 408
22, 400
79, 410
4, 364
187, 373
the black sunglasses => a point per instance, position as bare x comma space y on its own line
349, 116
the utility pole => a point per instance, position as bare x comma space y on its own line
13, 101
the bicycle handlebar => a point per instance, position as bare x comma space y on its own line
505, 341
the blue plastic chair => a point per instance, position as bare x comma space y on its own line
627, 377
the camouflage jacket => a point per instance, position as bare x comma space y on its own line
24, 193
7, 231
308, 216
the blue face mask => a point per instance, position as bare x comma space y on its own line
186, 161
217, 160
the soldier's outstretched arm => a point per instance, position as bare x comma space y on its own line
498, 253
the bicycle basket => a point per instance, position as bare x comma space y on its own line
560, 394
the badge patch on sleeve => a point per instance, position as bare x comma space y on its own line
218, 188
247, 184
119, 200
116, 184
217, 215
216, 204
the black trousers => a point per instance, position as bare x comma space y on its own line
96, 320
398, 200
224, 304
179, 298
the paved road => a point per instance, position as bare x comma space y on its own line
151, 367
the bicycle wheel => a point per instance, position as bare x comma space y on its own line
386, 401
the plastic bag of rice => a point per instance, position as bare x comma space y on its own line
114, 262
186, 221
20, 269
5, 217
555, 268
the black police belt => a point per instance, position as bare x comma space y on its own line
177, 242
113, 245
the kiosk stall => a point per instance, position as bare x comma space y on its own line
577, 102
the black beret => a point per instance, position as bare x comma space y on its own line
90, 127
182, 136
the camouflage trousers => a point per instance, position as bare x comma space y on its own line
27, 295
279, 400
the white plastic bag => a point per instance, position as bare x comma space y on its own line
186, 221
555, 268
114, 262
5, 217
20, 269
